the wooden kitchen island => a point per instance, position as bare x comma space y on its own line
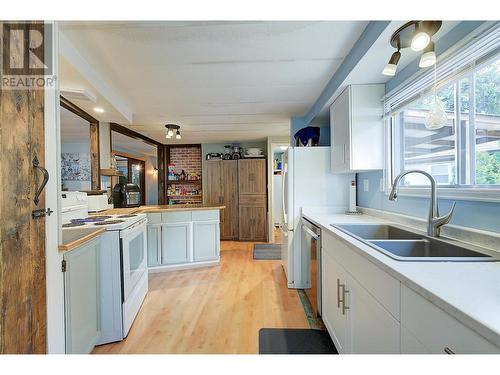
179, 236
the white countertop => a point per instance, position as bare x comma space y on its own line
469, 291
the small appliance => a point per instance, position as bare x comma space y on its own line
126, 195
74, 204
97, 203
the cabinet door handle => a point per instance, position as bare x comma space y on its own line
39, 189
448, 350
338, 293
344, 292
343, 153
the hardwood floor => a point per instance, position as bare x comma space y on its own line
213, 310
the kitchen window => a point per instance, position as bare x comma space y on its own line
463, 154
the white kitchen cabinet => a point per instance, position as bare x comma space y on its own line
336, 321
81, 297
429, 329
206, 244
355, 319
176, 242
357, 129
154, 244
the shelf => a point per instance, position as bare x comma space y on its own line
110, 172
184, 196
179, 182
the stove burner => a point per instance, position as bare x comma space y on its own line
126, 216
91, 219
71, 225
109, 222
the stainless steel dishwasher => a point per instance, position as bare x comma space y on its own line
311, 245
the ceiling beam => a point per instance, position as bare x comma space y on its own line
369, 35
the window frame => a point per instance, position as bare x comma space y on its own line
460, 190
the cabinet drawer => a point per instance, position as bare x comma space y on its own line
436, 330
176, 217
385, 288
205, 215
154, 218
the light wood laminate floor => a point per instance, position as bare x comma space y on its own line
213, 310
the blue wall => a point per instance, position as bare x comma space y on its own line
479, 215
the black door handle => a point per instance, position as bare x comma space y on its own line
40, 188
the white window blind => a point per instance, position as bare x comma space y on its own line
474, 51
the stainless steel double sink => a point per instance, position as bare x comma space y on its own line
404, 244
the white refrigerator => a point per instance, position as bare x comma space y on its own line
307, 182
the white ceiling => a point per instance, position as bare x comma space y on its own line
73, 127
221, 81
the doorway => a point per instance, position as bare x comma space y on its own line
133, 172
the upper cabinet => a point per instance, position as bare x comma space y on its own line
357, 132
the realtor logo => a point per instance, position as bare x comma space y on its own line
27, 56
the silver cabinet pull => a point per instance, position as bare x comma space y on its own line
338, 293
344, 292
448, 350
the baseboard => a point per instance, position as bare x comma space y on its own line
178, 267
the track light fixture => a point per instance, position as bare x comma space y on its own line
417, 36
170, 131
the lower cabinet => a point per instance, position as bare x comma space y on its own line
356, 321
176, 243
428, 329
172, 240
205, 240
81, 297
366, 310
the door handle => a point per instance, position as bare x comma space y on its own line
344, 292
45, 173
338, 293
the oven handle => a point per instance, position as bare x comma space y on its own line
306, 229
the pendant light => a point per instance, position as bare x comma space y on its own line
437, 117
171, 128
428, 58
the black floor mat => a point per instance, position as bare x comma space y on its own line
295, 341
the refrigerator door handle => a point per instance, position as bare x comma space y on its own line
283, 200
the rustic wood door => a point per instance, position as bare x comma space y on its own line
212, 172
23, 320
252, 176
229, 215
252, 217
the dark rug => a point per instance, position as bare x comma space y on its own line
295, 341
267, 251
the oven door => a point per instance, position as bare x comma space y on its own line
134, 257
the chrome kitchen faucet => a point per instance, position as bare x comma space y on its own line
435, 222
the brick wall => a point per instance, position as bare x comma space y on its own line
187, 158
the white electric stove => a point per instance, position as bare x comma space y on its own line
123, 270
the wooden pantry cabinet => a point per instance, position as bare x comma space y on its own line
239, 185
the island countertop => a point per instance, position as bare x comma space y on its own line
75, 237
159, 208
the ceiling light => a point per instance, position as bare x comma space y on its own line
417, 36
171, 128
420, 39
428, 57
392, 65
99, 109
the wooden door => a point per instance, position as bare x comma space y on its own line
252, 176
252, 218
212, 182
229, 215
23, 320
